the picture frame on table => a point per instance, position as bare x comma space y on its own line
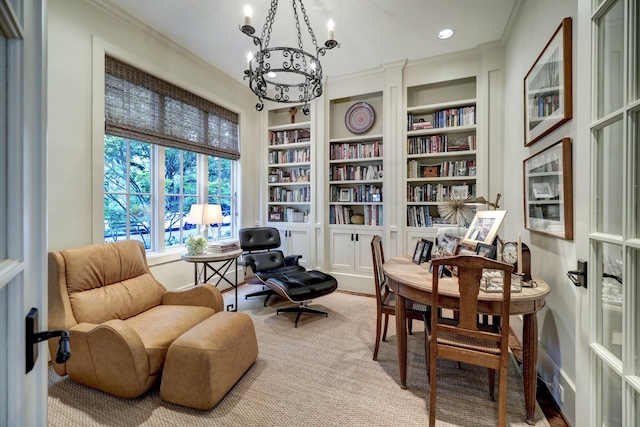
442, 272
487, 251
464, 251
484, 228
548, 191
426, 250
548, 87
417, 253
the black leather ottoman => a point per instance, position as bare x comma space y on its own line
301, 287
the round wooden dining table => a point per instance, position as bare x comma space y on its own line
413, 281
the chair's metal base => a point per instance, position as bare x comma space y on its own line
302, 308
268, 292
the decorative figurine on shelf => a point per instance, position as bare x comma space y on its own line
293, 111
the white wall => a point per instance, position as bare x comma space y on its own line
551, 257
75, 28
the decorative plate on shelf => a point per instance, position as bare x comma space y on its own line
360, 118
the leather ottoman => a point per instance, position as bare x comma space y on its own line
302, 287
205, 362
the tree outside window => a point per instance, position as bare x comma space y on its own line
129, 193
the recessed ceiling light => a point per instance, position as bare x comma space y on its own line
445, 34
271, 74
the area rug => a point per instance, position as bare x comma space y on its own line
319, 374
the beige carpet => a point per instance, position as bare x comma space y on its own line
320, 374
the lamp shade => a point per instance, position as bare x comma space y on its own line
205, 214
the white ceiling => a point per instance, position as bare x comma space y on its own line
371, 32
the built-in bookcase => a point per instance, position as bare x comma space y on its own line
290, 180
356, 172
289, 168
441, 148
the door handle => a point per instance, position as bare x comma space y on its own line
356, 237
32, 339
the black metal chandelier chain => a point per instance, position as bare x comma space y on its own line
268, 25
306, 21
295, 15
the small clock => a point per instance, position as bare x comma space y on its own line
510, 255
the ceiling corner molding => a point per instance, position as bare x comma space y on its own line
514, 17
9, 24
395, 64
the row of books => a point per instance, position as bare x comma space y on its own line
416, 169
450, 117
289, 156
454, 117
289, 136
293, 175
355, 173
360, 150
440, 144
437, 192
543, 106
280, 194
418, 216
343, 215
356, 194
223, 246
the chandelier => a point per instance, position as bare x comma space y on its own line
285, 74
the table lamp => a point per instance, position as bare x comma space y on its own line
206, 215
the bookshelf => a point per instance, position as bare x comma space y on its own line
355, 180
355, 190
289, 180
440, 150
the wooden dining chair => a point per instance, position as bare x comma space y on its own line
386, 298
465, 339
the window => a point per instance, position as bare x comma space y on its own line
165, 150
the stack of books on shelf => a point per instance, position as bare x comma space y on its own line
224, 246
413, 124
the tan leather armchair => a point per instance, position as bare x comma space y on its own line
121, 320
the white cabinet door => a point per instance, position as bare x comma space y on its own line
299, 243
342, 252
362, 256
296, 240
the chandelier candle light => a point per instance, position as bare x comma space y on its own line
285, 74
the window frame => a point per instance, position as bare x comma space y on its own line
158, 194
100, 49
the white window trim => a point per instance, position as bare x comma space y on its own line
100, 49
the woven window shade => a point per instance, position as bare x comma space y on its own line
145, 108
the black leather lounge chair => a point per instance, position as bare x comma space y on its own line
282, 274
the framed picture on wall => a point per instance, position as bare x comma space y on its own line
548, 87
548, 191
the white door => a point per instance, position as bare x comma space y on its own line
613, 314
23, 278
